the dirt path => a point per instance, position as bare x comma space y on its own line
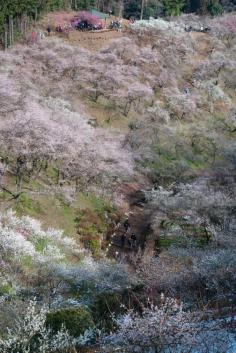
203, 46
133, 233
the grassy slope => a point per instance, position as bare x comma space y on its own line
53, 209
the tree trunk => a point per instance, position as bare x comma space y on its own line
74, 4
127, 108
11, 30
6, 37
36, 15
142, 9
25, 25
19, 183
58, 176
121, 8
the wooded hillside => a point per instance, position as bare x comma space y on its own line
118, 186
16, 14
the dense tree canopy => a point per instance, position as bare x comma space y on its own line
31, 8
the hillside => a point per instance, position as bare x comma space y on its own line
117, 190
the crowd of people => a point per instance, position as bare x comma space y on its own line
117, 24
36, 36
76, 23
200, 29
66, 28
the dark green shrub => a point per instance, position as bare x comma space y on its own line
215, 8
105, 306
75, 320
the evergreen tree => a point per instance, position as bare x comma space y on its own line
174, 7
214, 8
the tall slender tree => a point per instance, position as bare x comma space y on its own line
142, 9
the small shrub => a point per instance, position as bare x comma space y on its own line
106, 305
75, 320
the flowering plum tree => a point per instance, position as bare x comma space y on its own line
225, 27
166, 328
23, 238
30, 333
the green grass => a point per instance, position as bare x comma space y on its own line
6, 289
182, 234
27, 261
41, 244
99, 205
165, 242
53, 210
27, 205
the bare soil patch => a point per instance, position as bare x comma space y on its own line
93, 40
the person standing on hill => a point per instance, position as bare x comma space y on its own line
126, 224
34, 37
49, 30
123, 237
133, 240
